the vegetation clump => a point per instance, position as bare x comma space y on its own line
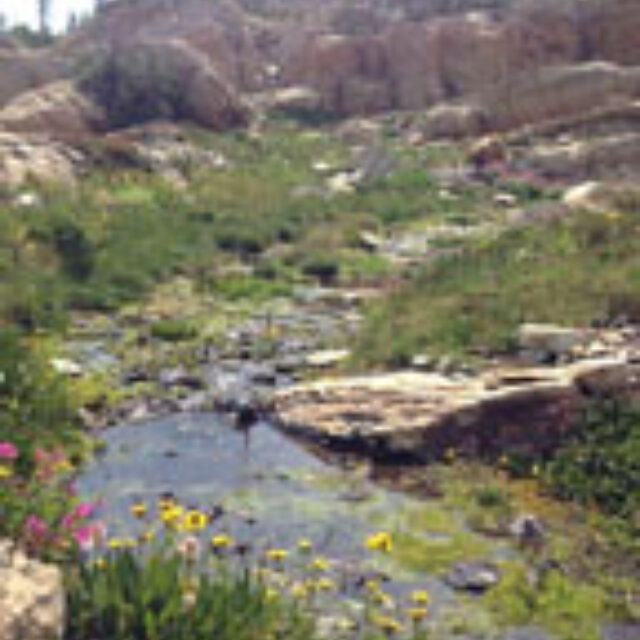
576, 270
600, 462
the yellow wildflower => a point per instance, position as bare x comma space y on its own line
115, 543
613, 216
138, 510
420, 597
417, 614
325, 584
100, 564
379, 542
64, 466
270, 595
5, 472
165, 503
299, 590
372, 586
276, 555
304, 545
383, 599
320, 564
194, 521
387, 624
171, 516
147, 536
221, 542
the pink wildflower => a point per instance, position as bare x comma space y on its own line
8, 451
84, 537
84, 510
36, 528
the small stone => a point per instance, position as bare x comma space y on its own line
422, 362
327, 358
66, 367
505, 199
472, 576
27, 200
527, 528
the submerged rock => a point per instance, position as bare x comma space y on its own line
473, 576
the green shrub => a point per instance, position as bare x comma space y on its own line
133, 86
249, 288
35, 407
569, 610
173, 330
600, 463
322, 266
74, 249
573, 271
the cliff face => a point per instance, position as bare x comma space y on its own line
414, 64
369, 57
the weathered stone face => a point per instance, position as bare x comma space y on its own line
424, 414
32, 604
24, 158
57, 108
409, 65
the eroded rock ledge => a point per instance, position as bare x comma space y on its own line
423, 414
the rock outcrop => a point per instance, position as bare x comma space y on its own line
57, 108
560, 91
22, 70
422, 415
410, 65
32, 603
36, 158
615, 157
162, 79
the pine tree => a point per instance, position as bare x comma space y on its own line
44, 9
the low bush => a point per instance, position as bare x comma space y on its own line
600, 462
173, 330
39, 510
35, 407
574, 271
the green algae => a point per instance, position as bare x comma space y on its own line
437, 554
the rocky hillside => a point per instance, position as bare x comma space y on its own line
467, 68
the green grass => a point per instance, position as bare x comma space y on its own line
600, 462
161, 597
572, 272
569, 610
121, 231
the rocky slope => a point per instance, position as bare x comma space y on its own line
472, 66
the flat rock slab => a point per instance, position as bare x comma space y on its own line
425, 414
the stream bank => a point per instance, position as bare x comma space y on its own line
196, 428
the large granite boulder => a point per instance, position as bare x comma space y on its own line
36, 158
423, 415
57, 108
32, 601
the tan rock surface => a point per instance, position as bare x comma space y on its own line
57, 108
32, 603
38, 158
423, 414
